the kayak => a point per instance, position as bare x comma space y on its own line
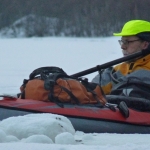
87, 118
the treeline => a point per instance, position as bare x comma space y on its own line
74, 17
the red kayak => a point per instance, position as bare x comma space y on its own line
86, 118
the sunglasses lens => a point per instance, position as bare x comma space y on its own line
121, 42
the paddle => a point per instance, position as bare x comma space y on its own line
114, 62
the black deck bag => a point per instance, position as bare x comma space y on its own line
132, 87
134, 92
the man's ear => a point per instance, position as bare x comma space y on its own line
146, 44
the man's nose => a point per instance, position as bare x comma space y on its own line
123, 46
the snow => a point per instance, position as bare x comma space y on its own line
19, 57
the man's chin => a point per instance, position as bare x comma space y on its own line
125, 55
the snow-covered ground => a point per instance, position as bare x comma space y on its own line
19, 57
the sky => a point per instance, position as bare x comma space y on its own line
19, 57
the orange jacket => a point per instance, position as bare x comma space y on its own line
110, 77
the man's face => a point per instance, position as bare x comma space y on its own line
132, 44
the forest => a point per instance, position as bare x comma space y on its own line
77, 18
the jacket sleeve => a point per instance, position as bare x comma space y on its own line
104, 80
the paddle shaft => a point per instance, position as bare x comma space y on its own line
111, 63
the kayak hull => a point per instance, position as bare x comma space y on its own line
86, 118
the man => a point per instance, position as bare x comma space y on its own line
128, 77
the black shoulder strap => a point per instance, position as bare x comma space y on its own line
90, 88
46, 70
51, 81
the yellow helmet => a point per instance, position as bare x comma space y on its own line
134, 27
